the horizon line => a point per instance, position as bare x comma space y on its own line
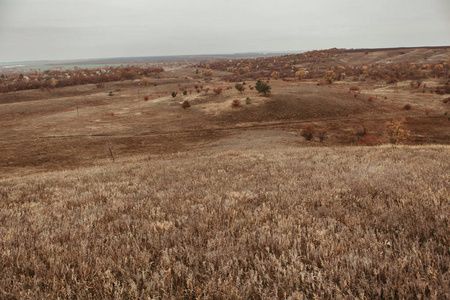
215, 54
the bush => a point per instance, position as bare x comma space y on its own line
262, 87
185, 104
146, 98
446, 100
218, 91
407, 106
442, 90
240, 87
248, 101
235, 103
185, 93
415, 84
322, 133
174, 94
370, 140
307, 132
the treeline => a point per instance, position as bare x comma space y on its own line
60, 78
287, 66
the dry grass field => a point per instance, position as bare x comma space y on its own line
289, 223
104, 194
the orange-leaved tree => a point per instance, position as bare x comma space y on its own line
275, 75
300, 74
395, 133
207, 72
330, 76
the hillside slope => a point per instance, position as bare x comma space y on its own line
424, 55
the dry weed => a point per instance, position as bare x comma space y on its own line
292, 223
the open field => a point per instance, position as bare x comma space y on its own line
293, 222
76, 126
106, 195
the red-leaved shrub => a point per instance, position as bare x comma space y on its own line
236, 103
307, 132
369, 140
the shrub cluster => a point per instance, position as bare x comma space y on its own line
287, 67
235, 103
307, 132
218, 91
50, 79
185, 104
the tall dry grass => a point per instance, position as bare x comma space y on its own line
328, 223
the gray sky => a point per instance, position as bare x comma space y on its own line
71, 29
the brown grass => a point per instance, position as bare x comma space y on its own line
214, 202
274, 224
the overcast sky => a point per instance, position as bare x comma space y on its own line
64, 29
